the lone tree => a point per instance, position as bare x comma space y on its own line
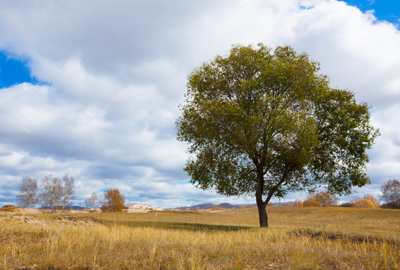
52, 192
92, 201
68, 191
28, 195
267, 123
114, 201
391, 192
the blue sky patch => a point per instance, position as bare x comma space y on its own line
182, 183
14, 71
388, 10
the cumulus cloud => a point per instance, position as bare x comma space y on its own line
115, 73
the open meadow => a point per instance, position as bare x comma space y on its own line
298, 238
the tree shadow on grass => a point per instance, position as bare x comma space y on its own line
344, 237
177, 226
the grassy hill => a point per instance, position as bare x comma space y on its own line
298, 238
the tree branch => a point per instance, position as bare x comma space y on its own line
271, 193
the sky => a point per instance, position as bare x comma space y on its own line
92, 88
388, 10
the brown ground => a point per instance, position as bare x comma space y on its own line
30, 211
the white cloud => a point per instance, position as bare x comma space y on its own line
116, 73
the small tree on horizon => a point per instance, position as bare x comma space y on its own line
373, 199
368, 201
28, 192
114, 201
68, 191
52, 192
311, 201
93, 201
391, 192
321, 199
298, 203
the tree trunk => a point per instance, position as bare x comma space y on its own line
262, 212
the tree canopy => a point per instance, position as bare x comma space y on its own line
28, 194
114, 201
391, 192
265, 122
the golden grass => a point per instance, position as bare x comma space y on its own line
298, 238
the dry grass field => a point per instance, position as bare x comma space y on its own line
298, 238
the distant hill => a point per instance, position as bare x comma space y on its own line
224, 205
210, 205
74, 207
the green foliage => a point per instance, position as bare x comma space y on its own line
265, 122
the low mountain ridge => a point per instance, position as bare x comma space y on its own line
205, 206
210, 206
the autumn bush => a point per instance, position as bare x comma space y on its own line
368, 201
372, 199
321, 199
311, 201
364, 204
114, 201
298, 203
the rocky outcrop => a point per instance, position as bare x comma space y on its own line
144, 207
